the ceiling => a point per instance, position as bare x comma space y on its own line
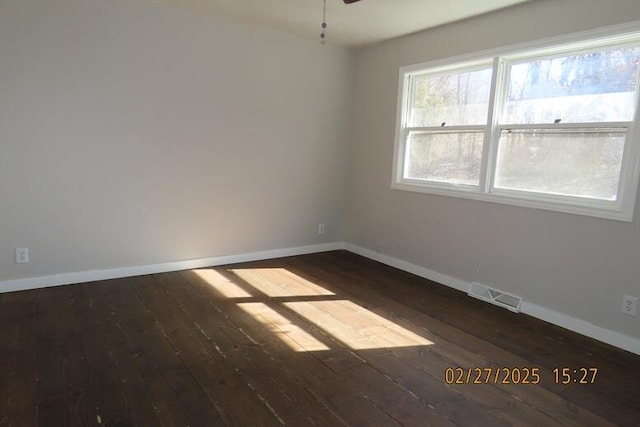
354, 25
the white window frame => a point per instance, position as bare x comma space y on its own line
620, 209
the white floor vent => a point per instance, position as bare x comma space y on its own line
494, 296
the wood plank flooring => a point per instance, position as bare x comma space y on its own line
330, 339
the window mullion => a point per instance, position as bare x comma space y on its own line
407, 112
492, 134
630, 171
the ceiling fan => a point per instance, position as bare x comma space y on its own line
323, 34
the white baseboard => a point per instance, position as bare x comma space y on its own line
582, 327
115, 273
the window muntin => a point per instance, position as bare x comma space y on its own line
552, 101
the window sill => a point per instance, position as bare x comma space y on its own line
526, 200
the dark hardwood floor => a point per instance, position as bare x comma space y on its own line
325, 339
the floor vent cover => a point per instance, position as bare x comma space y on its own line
494, 296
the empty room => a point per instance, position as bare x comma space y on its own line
319, 213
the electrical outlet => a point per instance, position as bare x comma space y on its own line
22, 255
629, 305
321, 228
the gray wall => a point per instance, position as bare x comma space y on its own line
576, 265
133, 133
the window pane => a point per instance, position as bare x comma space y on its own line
455, 99
597, 86
444, 157
583, 163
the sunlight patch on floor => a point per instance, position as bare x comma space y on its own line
356, 326
222, 284
292, 335
279, 282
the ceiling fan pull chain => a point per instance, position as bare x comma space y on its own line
323, 33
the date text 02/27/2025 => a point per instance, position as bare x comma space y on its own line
518, 375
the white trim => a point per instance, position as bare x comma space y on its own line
593, 127
501, 197
115, 273
489, 149
432, 275
447, 129
615, 33
581, 327
621, 209
399, 145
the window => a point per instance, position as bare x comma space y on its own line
447, 120
547, 127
